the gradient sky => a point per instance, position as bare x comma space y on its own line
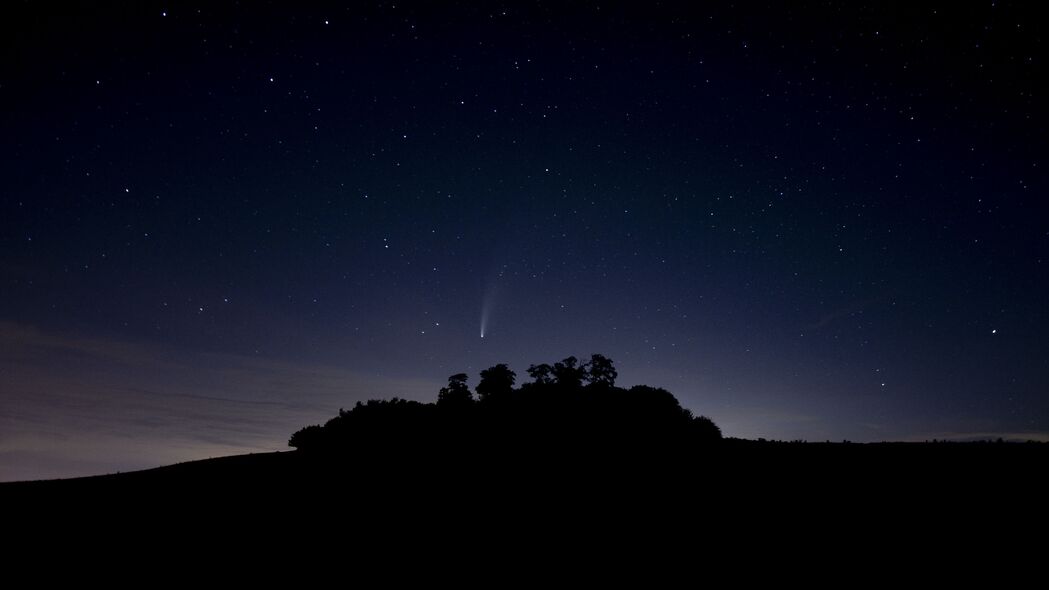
220, 222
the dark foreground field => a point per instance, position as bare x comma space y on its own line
732, 474
768, 510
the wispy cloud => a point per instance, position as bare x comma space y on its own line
75, 405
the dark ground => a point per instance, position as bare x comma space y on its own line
762, 511
736, 474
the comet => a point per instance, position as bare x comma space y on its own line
486, 309
484, 319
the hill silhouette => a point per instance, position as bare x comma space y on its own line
563, 460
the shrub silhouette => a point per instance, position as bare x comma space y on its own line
309, 438
567, 405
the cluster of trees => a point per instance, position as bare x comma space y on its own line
568, 402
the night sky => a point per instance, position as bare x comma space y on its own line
222, 221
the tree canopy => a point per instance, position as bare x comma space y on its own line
566, 403
457, 393
497, 380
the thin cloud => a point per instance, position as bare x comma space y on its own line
72, 404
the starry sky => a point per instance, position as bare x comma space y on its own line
222, 221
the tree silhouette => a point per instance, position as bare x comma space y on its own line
495, 381
457, 393
541, 374
568, 373
600, 371
554, 414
